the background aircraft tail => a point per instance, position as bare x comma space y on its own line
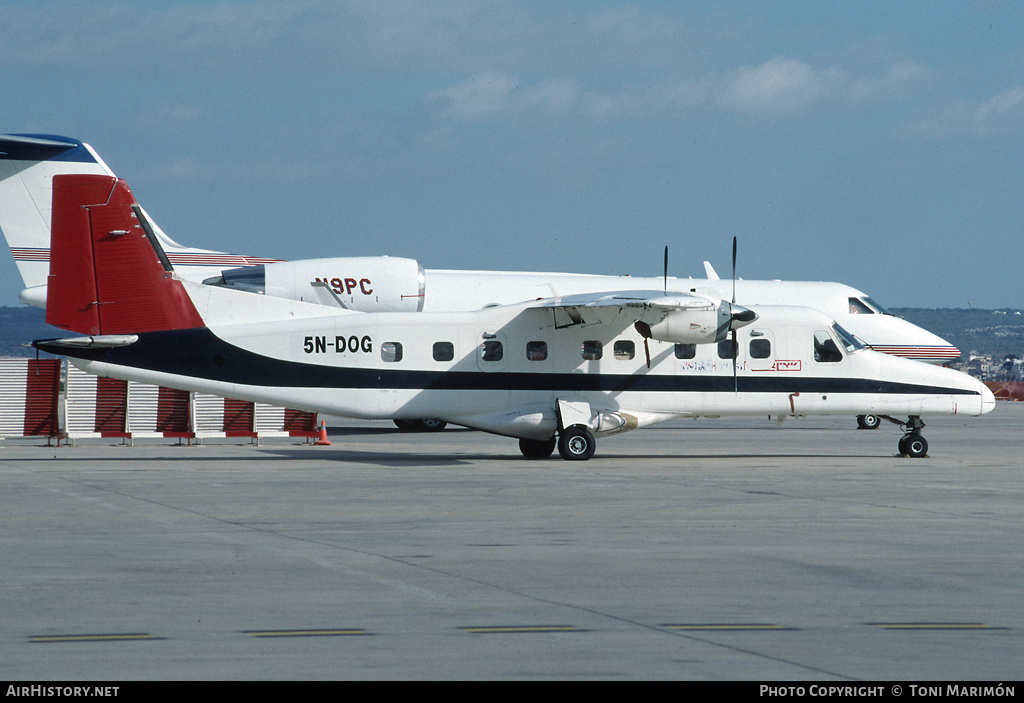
108, 273
28, 164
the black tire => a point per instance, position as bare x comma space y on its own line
576, 443
916, 446
868, 422
420, 425
537, 448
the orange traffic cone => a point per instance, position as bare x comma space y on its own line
323, 441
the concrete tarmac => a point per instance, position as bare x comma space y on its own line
709, 549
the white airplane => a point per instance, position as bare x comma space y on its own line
393, 284
377, 284
558, 371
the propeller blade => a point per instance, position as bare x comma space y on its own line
732, 316
645, 331
735, 355
734, 269
665, 276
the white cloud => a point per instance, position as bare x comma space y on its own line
476, 98
1007, 103
1004, 112
779, 85
899, 75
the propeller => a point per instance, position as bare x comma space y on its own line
665, 275
735, 347
642, 327
645, 331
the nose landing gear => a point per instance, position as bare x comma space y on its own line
913, 444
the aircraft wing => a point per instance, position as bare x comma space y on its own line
669, 317
638, 299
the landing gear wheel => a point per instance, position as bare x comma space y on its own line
868, 422
421, 425
914, 446
576, 443
537, 448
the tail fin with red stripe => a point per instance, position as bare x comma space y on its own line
108, 273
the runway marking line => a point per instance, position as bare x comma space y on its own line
506, 629
729, 627
932, 626
345, 632
94, 638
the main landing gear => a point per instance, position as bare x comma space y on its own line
868, 422
420, 425
574, 443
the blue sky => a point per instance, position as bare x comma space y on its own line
878, 144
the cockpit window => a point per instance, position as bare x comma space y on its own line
876, 307
859, 307
849, 341
825, 349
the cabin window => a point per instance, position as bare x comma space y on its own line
491, 350
537, 351
825, 349
760, 348
727, 349
686, 351
444, 351
592, 350
391, 351
625, 350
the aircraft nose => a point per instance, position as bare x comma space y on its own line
988, 400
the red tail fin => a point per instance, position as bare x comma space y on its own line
107, 275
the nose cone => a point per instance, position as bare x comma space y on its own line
898, 337
988, 400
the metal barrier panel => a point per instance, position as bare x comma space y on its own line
80, 403
174, 413
209, 415
111, 407
42, 389
34, 402
13, 392
239, 418
29, 392
142, 409
299, 423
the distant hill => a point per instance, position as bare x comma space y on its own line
21, 325
997, 332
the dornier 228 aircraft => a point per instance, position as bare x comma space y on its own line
379, 283
550, 372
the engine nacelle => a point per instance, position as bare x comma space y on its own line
693, 325
363, 283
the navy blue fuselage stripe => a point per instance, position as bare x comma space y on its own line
198, 353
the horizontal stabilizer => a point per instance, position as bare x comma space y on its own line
37, 147
109, 341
